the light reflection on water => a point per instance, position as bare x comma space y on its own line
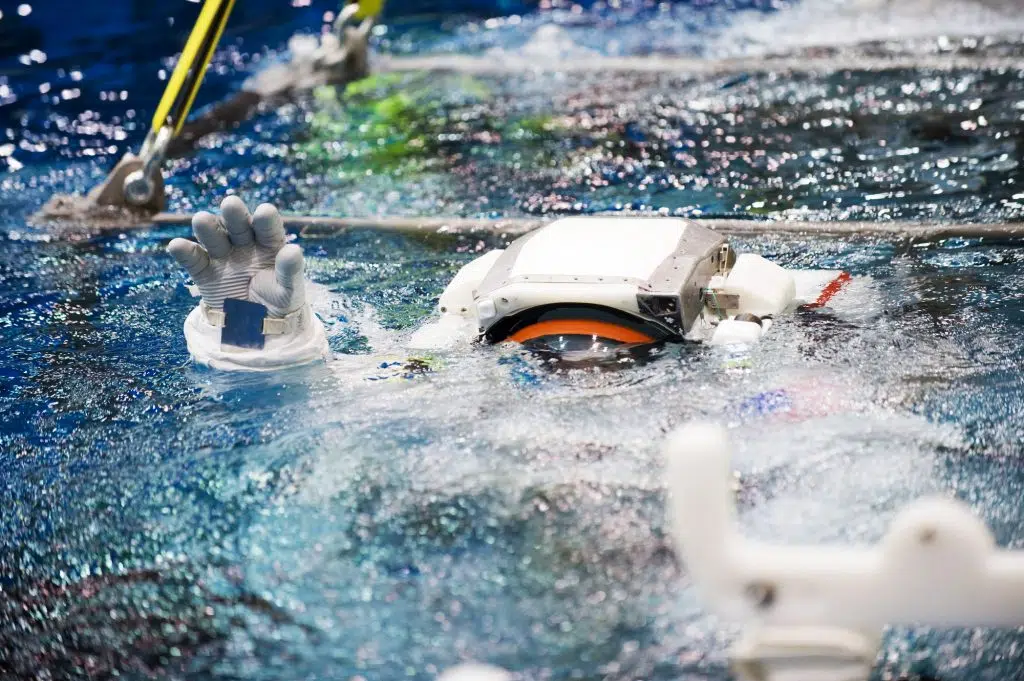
313, 523
316, 521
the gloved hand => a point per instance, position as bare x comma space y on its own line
244, 257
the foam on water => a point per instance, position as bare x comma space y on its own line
831, 23
719, 30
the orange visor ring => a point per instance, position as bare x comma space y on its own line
580, 327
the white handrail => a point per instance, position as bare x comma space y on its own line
938, 565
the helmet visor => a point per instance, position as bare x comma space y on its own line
579, 333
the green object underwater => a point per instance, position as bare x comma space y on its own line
402, 124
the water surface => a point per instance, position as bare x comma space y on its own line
358, 520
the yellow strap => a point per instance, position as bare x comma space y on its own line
191, 67
369, 8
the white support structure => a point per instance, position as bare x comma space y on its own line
816, 613
475, 672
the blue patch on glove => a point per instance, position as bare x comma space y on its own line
243, 324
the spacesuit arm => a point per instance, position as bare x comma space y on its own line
757, 290
458, 320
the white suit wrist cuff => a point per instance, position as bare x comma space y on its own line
293, 340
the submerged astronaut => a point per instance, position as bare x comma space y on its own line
579, 286
596, 285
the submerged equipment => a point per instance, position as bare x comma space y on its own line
582, 286
177, 100
133, 193
135, 185
628, 279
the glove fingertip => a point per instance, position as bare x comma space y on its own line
205, 218
232, 201
268, 225
179, 248
289, 265
266, 210
289, 258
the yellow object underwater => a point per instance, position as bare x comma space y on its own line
369, 8
191, 67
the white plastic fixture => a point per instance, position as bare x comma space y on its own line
815, 613
735, 332
459, 320
763, 287
473, 671
459, 296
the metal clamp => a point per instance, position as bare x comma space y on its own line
719, 302
726, 259
344, 53
140, 184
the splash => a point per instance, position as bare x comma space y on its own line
839, 23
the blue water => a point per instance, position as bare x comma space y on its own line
161, 520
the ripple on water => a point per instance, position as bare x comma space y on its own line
164, 519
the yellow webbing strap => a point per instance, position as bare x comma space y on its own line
369, 8
191, 67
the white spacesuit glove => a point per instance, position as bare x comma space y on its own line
253, 315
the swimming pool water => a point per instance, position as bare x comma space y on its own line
321, 523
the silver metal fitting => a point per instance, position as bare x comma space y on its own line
140, 184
